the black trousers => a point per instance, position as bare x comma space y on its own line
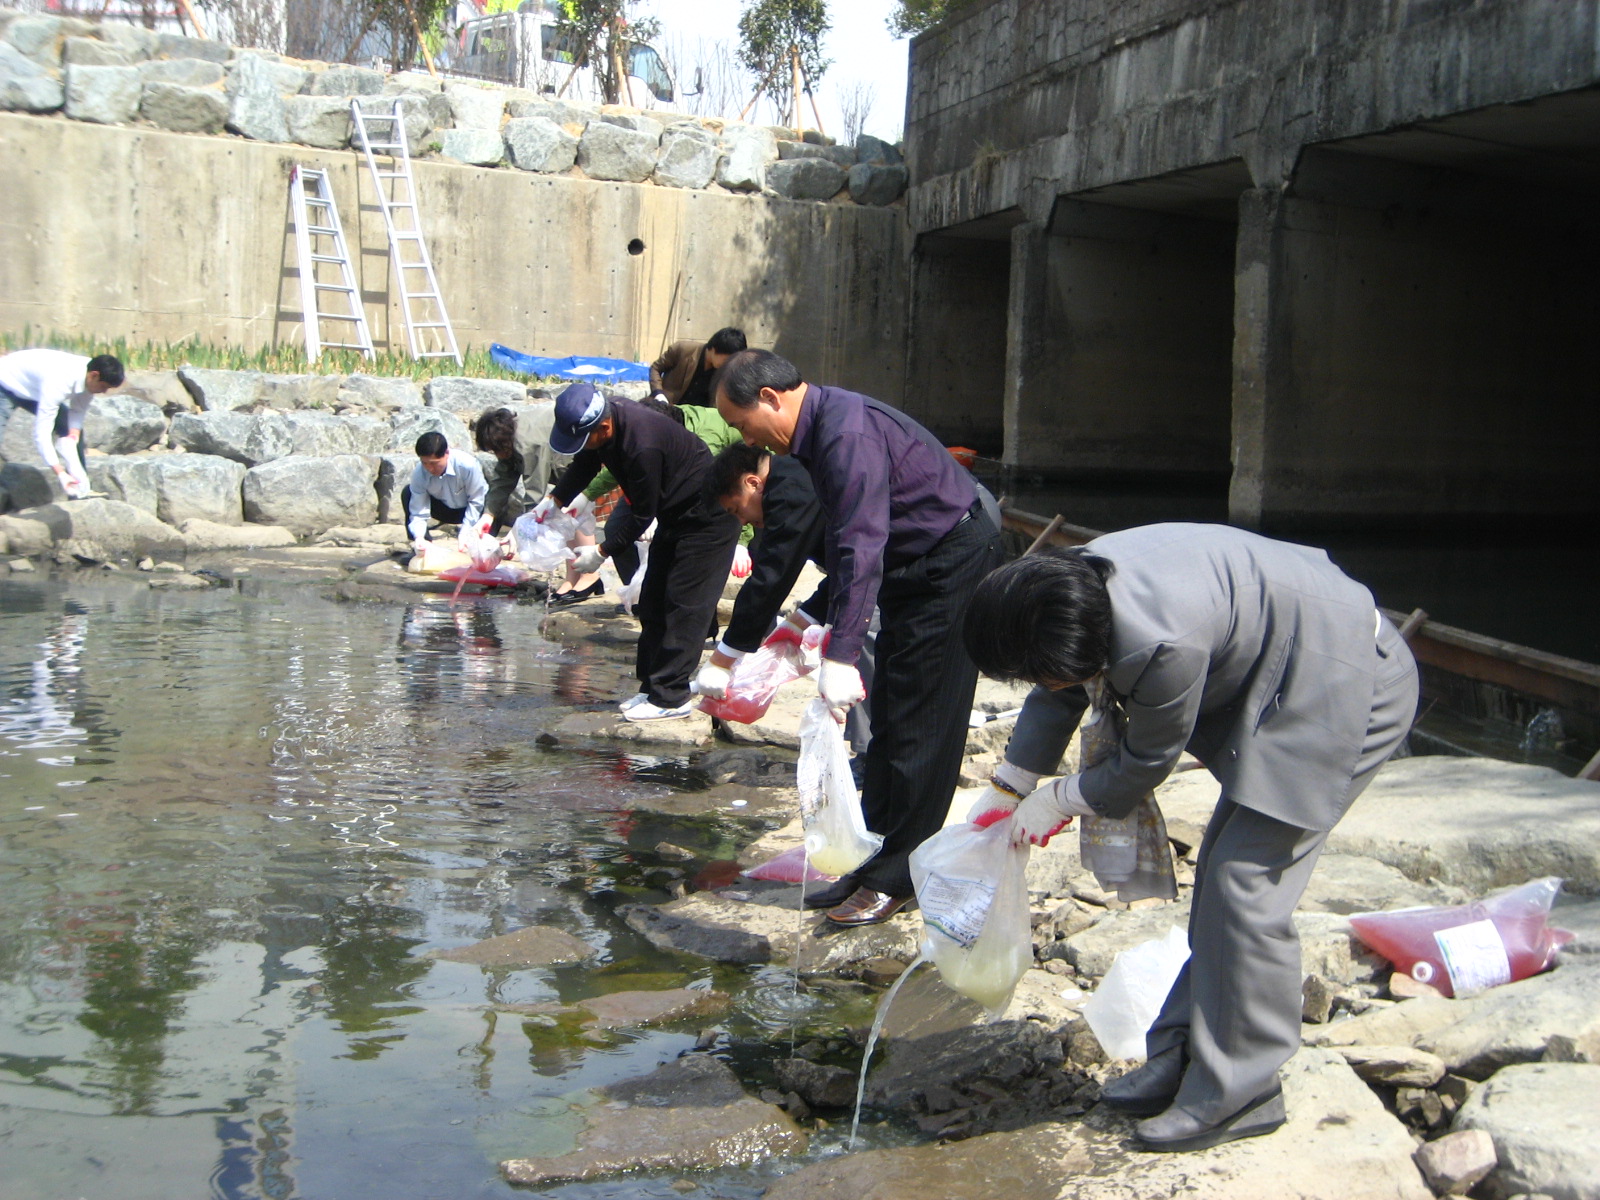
921, 697
626, 560
683, 580
437, 509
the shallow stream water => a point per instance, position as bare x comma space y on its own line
231, 822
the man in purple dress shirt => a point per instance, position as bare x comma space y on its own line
905, 531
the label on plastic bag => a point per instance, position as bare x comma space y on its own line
957, 908
1475, 956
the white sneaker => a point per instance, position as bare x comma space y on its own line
649, 712
636, 699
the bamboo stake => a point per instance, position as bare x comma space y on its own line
1044, 535
194, 21
416, 27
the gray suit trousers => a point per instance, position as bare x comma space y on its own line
1235, 1007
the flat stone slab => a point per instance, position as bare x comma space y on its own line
625, 1010
200, 535
535, 946
1339, 1142
687, 1115
693, 730
1543, 1119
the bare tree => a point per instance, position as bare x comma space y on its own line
709, 80
855, 106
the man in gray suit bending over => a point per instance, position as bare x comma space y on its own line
1274, 668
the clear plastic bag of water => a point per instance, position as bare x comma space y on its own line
753, 682
482, 548
1130, 997
837, 838
542, 545
972, 890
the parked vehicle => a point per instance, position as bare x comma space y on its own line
528, 49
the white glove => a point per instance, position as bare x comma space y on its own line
1047, 811
588, 560
839, 685
543, 509
712, 681
581, 505
420, 546
741, 563
1007, 787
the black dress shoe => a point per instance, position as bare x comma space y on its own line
1176, 1129
1149, 1089
867, 907
832, 894
578, 595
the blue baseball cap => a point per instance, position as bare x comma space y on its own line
578, 410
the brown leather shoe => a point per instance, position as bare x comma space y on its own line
867, 907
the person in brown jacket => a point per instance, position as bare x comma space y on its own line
682, 375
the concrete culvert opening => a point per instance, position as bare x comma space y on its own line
635, 247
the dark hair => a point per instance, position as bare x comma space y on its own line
109, 368
744, 375
665, 407
726, 341
1044, 618
432, 445
496, 431
732, 463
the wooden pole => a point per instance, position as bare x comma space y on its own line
1412, 623
1044, 534
1592, 771
794, 93
194, 21
416, 27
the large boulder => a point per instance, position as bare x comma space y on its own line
184, 109
536, 143
181, 46
104, 95
187, 72
570, 114
420, 115
39, 37
92, 52
468, 397
204, 536
309, 495
747, 152
876, 184
611, 152
162, 388
689, 156
255, 100
320, 121
128, 478
248, 438
476, 107
344, 82
300, 391
476, 147
875, 150
25, 86
214, 389
378, 391
320, 434
122, 425
30, 483
95, 529
201, 486
806, 178
1542, 1118
408, 424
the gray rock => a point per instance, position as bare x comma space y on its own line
135, 41
321, 121
475, 107
818, 1084
412, 83
635, 121
184, 109
288, 78
25, 86
611, 152
914, 1071
345, 82
420, 114
1582, 920
1352, 883
216, 390
92, 52
97, 529
479, 147
533, 946
206, 536
175, 45
876, 184
123, 425
408, 424
1542, 1118
1396, 1066
248, 438
29, 484
468, 397
690, 1114
39, 38
686, 934
815, 137
378, 391
200, 486
875, 150
393, 473
1454, 1163
320, 434
190, 72
130, 479
839, 156
103, 95
539, 144
806, 179
309, 495
300, 391
562, 112
689, 157
631, 1010
747, 151
255, 101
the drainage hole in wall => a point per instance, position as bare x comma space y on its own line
635, 247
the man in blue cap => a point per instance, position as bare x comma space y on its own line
662, 469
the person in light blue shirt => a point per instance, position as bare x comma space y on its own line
446, 486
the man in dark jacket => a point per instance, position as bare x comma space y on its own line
662, 468
682, 375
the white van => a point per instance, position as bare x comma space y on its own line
526, 49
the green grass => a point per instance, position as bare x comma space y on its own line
280, 360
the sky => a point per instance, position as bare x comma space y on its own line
863, 51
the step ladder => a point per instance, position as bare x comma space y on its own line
325, 270
427, 324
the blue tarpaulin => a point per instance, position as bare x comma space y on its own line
576, 366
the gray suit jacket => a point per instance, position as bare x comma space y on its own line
1258, 656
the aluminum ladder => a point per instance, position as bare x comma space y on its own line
324, 265
427, 323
